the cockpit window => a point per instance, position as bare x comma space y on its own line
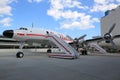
23, 28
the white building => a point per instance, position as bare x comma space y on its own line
111, 17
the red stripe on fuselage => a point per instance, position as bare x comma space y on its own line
35, 35
20, 34
65, 39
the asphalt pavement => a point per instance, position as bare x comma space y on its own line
35, 66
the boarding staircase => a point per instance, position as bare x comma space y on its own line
68, 51
97, 47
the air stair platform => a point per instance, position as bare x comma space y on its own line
97, 47
68, 50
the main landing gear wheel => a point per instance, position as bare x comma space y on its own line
84, 52
49, 51
19, 55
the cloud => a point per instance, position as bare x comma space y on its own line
5, 12
63, 10
6, 21
103, 5
103, 1
118, 0
103, 8
84, 22
5, 9
37, 1
61, 4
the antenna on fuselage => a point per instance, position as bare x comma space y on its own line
32, 24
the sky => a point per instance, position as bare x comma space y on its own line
70, 17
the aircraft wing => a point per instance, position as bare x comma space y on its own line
107, 36
100, 39
95, 39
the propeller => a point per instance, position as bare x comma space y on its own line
111, 29
113, 44
76, 40
109, 38
82, 37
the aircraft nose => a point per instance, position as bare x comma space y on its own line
8, 33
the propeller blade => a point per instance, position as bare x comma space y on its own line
111, 29
82, 37
113, 44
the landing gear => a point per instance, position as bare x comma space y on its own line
19, 55
84, 52
49, 51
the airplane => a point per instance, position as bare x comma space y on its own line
30, 35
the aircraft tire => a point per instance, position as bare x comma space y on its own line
84, 52
49, 51
19, 55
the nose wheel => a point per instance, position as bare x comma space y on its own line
49, 51
19, 55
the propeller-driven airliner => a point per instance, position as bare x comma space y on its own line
30, 35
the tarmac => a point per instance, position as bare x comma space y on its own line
37, 66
